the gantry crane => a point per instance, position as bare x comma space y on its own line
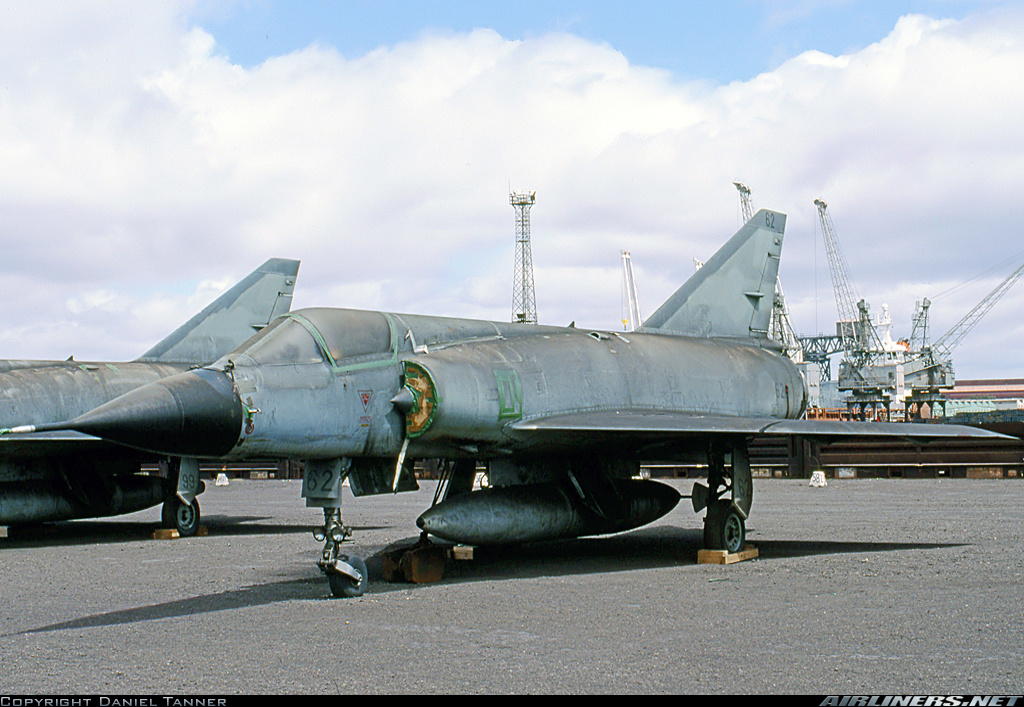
952, 338
871, 369
856, 333
745, 206
930, 369
877, 368
919, 333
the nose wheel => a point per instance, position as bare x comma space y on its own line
342, 583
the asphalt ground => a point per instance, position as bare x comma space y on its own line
861, 587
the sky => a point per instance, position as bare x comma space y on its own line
155, 153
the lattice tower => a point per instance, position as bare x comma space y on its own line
524, 298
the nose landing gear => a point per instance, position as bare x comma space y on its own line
346, 574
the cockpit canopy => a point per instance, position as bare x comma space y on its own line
311, 335
350, 337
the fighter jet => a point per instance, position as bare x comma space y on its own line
561, 416
63, 475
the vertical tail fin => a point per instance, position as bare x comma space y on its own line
733, 293
258, 299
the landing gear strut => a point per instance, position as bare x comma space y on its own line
346, 574
321, 486
181, 508
725, 520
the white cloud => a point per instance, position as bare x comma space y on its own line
96, 299
139, 166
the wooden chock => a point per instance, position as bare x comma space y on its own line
724, 557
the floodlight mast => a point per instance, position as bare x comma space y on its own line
524, 298
523, 295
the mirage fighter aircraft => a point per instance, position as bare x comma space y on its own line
53, 476
561, 416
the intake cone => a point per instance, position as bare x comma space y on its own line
192, 414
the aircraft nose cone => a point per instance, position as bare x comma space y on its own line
195, 414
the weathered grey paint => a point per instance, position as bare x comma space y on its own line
706, 304
352, 389
63, 475
255, 301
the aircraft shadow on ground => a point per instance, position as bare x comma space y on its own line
312, 587
781, 549
647, 548
98, 532
635, 550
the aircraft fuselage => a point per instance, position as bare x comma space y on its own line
41, 480
33, 392
453, 387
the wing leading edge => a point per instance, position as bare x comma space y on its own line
37, 444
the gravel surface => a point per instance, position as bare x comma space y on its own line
864, 586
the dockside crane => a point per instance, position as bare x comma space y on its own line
944, 346
850, 327
930, 369
871, 370
876, 369
919, 332
746, 207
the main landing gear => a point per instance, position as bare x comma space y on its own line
725, 520
181, 507
723, 528
180, 516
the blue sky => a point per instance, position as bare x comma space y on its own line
713, 41
154, 153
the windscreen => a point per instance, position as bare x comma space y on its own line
284, 341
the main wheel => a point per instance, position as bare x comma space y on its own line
183, 518
723, 528
342, 586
